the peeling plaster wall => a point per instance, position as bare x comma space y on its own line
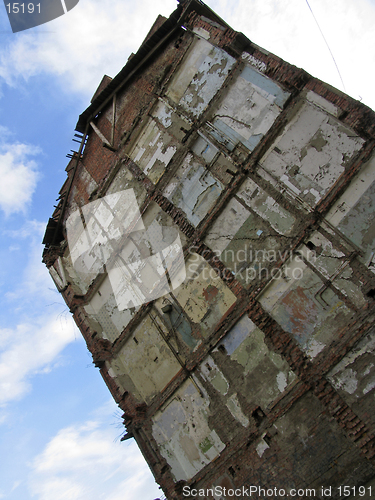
152, 151
182, 333
264, 373
336, 265
312, 153
304, 308
354, 377
358, 225
193, 189
104, 310
254, 362
204, 296
266, 207
182, 432
201, 75
248, 234
249, 108
145, 361
170, 119
125, 180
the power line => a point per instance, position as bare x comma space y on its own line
330, 51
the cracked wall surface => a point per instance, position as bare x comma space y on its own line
230, 306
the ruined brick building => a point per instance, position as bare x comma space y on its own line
243, 355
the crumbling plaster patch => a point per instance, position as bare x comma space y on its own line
147, 360
196, 296
250, 107
193, 189
182, 432
266, 374
201, 74
153, 151
266, 207
301, 304
354, 374
312, 153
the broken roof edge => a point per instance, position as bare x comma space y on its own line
149, 45
106, 80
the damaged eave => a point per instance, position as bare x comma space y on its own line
151, 46
134, 64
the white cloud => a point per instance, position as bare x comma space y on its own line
97, 36
35, 276
42, 328
18, 176
30, 348
31, 229
94, 38
288, 30
85, 461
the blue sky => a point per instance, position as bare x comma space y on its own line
59, 429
